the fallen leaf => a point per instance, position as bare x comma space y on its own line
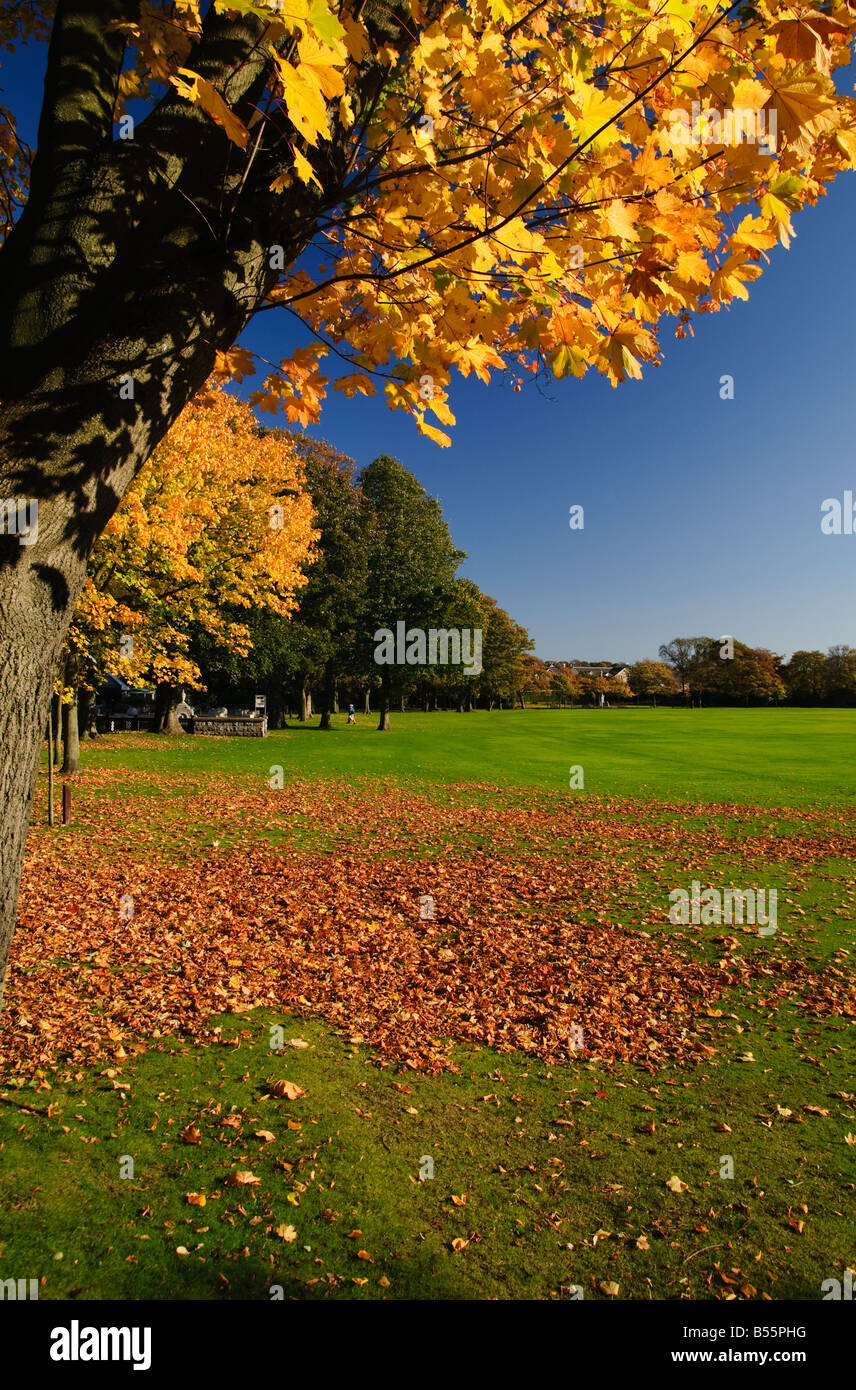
289, 1089
243, 1178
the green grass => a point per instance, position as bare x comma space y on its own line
780, 757
560, 1171
544, 1157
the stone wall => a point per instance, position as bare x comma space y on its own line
232, 726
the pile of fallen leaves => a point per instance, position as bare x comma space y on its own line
342, 938
524, 950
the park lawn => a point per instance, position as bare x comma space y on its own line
767, 757
549, 1170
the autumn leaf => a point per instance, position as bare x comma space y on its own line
287, 1089
191, 1135
243, 1178
674, 1184
286, 1233
195, 88
196, 1199
304, 170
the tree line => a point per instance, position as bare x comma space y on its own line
704, 670
246, 560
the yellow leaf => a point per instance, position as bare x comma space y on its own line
437, 435
619, 220
304, 102
201, 93
304, 171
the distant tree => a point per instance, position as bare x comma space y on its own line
505, 644
841, 674
693, 660
564, 686
533, 680
652, 680
806, 677
750, 675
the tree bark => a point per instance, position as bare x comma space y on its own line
166, 710
86, 714
367, 707
305, 700
50, 787
55, 750
383, 723
71, 738
331, 704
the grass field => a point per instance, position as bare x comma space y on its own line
784, 757
429, 1127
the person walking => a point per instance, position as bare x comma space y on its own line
352, 715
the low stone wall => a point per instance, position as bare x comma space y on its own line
231, 726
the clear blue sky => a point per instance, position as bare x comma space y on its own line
701, 515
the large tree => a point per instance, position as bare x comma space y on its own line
425, 185
411, 568
196, 546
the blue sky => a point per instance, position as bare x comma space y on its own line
701, 515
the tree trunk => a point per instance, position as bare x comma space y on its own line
71, 738
277, 712
383, 723
305, 701
86, 714
35, 606
56, 749
50, 783
166, 706
331, 704
367, 708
